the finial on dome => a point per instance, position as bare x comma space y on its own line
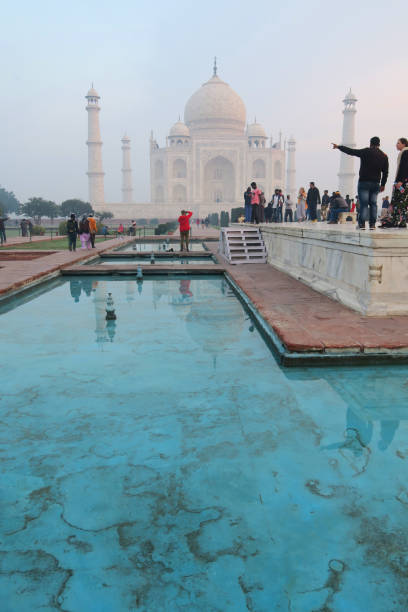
215, 67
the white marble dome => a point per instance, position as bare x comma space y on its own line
179, 129
215, 107
255, 130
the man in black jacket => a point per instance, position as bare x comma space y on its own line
372, 178
313, 199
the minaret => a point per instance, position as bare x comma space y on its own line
127, 192
95, 172
291, 169
346, 173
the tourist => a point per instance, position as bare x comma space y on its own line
353, 205
277, 203
372, 179
313, 199
325, 204
268, 212
105, 231
337, 206
280, 206
23, 226
72, 231
92, 229
288, 210
384, 207
247, 205
301, 205
184, 225
30, 227
262, 202
3, 229
255, 195
400, 193
84, 234
121, 230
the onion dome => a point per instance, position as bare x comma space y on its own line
215, 107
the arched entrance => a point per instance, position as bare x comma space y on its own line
219, 180
179, 193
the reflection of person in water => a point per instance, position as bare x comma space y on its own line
75, 289
359, 433
185, 290
388, 429
87, 286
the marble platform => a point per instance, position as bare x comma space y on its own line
364, 270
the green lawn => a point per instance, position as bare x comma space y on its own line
58, 244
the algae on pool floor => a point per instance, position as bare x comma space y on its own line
164, 461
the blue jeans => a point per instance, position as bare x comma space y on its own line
367, 195
277, 214
334, 213
248, 213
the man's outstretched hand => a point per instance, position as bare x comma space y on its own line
335, 146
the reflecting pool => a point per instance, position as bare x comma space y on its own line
161, 246
164, 461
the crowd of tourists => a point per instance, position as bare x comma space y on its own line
311, 207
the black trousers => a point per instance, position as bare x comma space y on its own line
255, 213
72, 242
92, 240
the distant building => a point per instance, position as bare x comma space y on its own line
209, 159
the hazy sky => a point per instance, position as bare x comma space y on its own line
291, 62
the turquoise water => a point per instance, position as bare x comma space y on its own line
158, 246
164, 261
165, 461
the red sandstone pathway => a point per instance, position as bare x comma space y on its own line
16, 240
14, 274
307, 321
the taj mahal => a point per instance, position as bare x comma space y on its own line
207, 162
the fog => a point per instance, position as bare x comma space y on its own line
291, 63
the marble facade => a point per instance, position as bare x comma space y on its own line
366, 271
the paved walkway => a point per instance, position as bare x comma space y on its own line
17, 274
308, 322
16, 240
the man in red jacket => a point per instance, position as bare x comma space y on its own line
184, 223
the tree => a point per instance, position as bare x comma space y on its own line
154, 221
37, 208
79, 207
9, 201
105, 214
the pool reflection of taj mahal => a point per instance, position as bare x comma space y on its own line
207, 162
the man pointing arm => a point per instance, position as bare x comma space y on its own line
372, 178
